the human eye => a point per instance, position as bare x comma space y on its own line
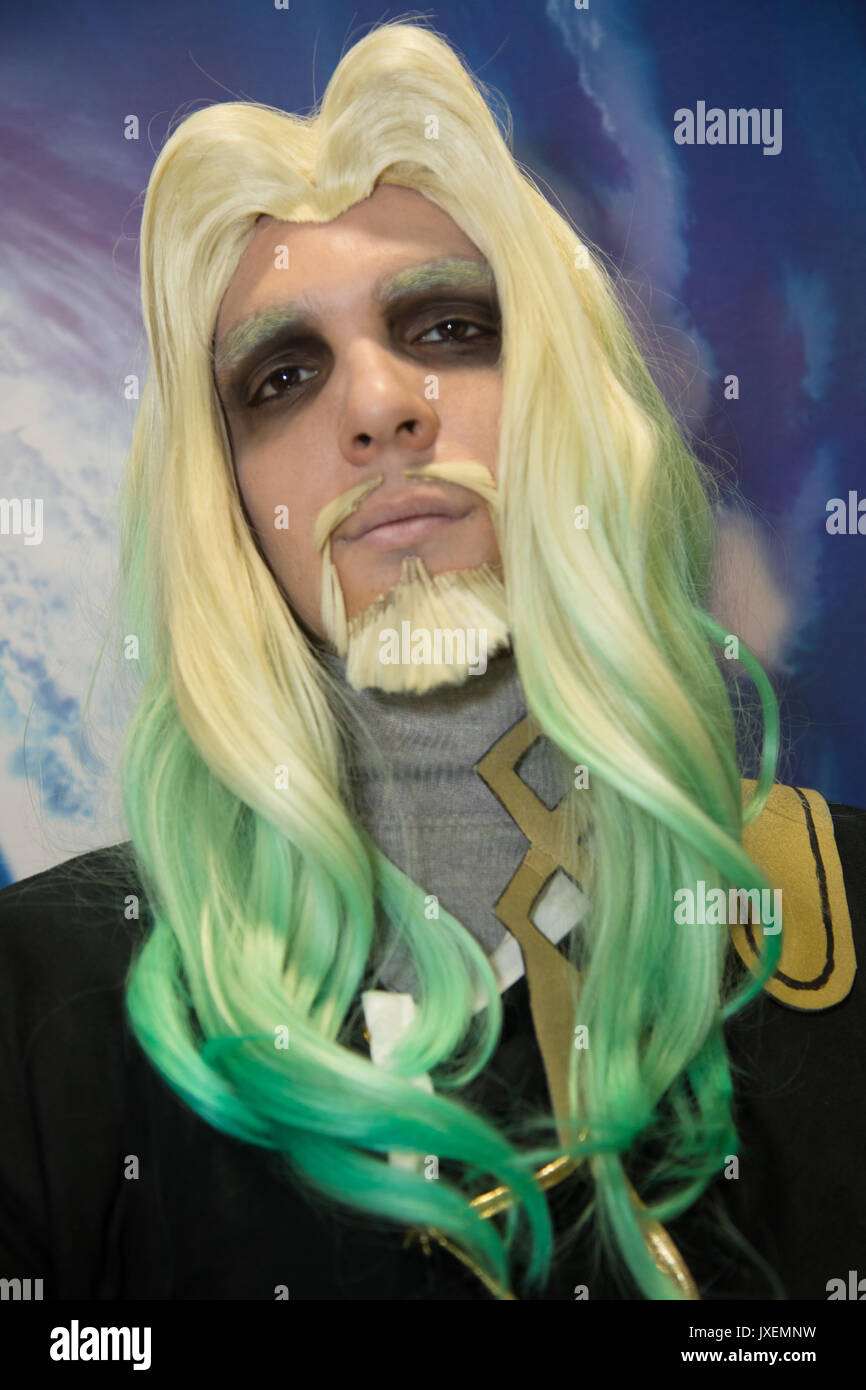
274, 379
454, 324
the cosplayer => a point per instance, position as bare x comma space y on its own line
433, 729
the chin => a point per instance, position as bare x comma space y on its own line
428, 631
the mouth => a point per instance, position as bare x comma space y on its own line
405, 531
397, 521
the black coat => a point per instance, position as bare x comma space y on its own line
211, 1217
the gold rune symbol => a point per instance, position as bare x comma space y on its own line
553, 982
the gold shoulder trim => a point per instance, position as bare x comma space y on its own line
793, 842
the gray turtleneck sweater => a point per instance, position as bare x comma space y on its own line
415, 789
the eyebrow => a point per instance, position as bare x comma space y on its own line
255, 332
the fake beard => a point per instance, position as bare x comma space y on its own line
427, 630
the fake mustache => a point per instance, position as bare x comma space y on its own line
473, 476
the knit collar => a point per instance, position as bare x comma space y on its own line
412, 782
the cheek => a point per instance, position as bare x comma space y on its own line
283, 520
263, 508
270, 501
480, 421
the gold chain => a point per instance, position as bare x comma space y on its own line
665, 1254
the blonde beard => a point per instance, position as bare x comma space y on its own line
445, 628
447, 614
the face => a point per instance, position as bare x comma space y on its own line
376, 348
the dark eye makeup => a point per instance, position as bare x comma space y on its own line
467, 330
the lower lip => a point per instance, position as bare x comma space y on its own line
397, 533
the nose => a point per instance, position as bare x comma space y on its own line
386, 417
